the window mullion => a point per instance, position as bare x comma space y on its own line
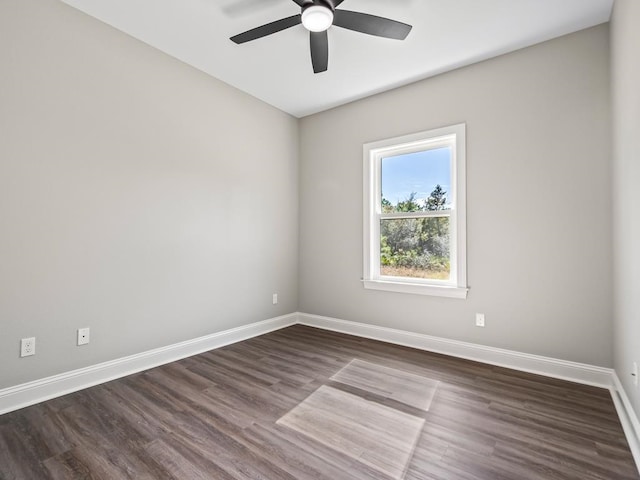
420, 214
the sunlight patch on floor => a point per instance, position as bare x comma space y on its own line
408, 388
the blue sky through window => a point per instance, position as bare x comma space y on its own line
416, 172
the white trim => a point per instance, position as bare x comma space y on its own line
550, 367
453, 136
526, 362
628, 418
416, 288
19, 396
459, 183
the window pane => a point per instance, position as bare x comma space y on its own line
415, 247
417, 181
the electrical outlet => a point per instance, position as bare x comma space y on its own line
28, 346
635, 374
275, 298
83, 336
479, 319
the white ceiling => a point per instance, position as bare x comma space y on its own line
277, 69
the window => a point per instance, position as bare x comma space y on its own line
414, 213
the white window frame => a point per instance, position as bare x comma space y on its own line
373, 153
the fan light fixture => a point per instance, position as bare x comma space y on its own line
317, 18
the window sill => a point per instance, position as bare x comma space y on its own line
417, 288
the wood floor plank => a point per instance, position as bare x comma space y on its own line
292, 457
304, 446
230, 455
219, 415
67, 466
175, 465
17, 460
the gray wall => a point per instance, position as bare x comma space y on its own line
625, 45
138, 196
155, 204
539, 201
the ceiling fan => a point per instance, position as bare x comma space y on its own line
317, 16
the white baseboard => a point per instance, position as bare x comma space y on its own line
19, 396
550, 367
30, 393
628, 417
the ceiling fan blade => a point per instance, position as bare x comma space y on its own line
267, 29
371, 24
335, 3
302, 3
319, 51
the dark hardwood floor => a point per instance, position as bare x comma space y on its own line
251, 410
